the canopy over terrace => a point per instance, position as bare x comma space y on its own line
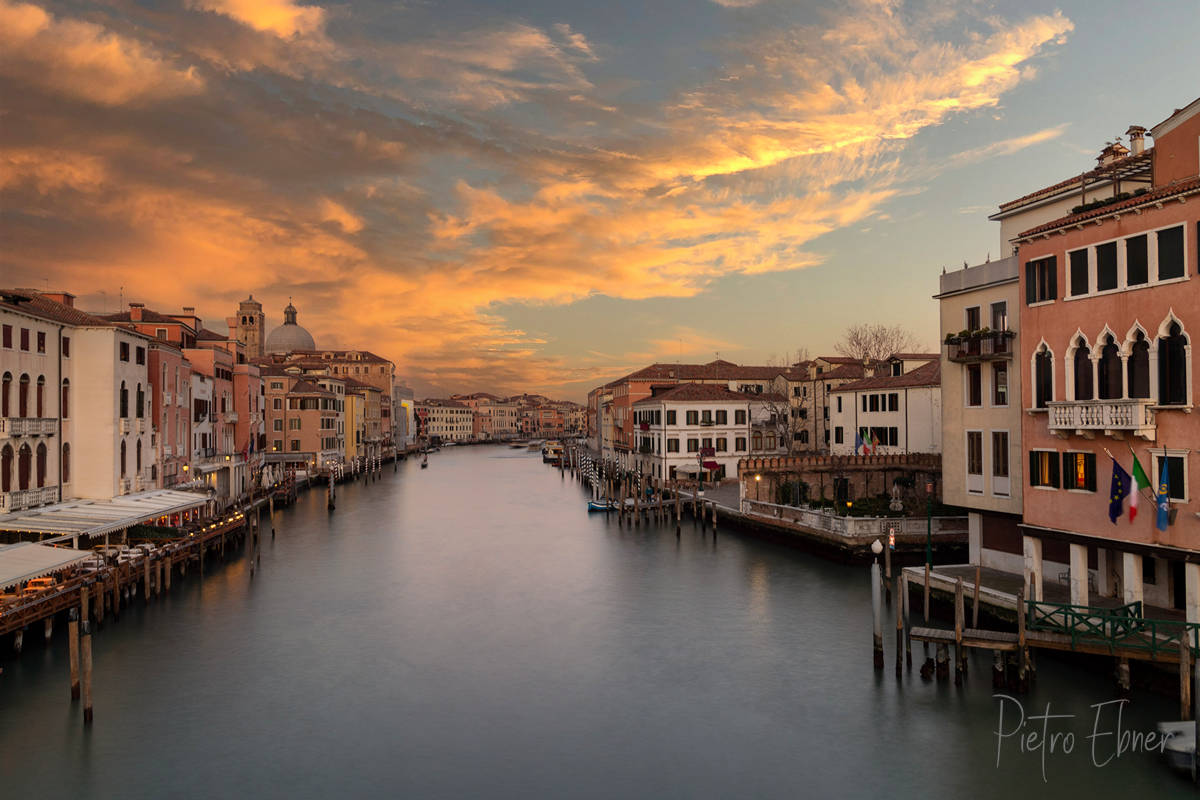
98, 517
27, 560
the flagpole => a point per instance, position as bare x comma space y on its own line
1142, 491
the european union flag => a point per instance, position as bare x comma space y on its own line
1120, 490
1164, 497
858, 442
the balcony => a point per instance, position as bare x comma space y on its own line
231, 417
980, 347
1115, 418
28, 426
28, 498
124, 425
124, 485
139, 424
167, 451
167, 398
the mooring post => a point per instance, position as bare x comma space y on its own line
48, 629
876, 615
958, 631
926, 607
899, 628
975, 601
1185, 679
73, 650
942, 664
146, 578
904, 594
85, 652
1123, 679
1022, 644
714, 513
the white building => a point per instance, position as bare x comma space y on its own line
699, 429
447, 420
901, 411
404, 412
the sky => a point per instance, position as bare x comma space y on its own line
542, 196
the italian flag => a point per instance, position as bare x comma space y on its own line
1140, 482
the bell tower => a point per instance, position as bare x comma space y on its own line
249, 325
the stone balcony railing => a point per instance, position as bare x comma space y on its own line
27, 498
1116, 418
139, 424
167, 398
124, 425
28, 426
231, 417
856, 530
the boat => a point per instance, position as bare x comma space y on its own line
1180, 747
552, 453
600, 505
425, 460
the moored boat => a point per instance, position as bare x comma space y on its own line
1180, 747
600, 505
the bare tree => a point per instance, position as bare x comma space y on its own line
876, 342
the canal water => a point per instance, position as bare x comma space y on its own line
470, 631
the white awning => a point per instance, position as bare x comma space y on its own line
98, 517
26, 560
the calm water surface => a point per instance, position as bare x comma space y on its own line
469, 631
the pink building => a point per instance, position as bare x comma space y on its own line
1112, 303
170, 393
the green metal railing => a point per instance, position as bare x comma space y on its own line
1122, 626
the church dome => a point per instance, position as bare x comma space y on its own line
289, 336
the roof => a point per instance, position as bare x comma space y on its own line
929, 374
713, 371
97, 517
205, 335
308, 387
701, 392
356, 384
914, 356
147, 316
30, 302
26, 560
439, 403
1141, 161
1190, 186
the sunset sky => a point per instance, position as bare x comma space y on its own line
543, 195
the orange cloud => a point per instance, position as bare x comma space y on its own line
280, 17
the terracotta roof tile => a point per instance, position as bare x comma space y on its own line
1190, 186
925, 375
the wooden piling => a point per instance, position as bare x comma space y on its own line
714, 518
907, 619
19, 641
926, 606
899, 627
48, 629
959, 614
1022, 646
73, 652
146, 578
85, 652
887, 572
1185, 679
876, 615
84, 614
169, 564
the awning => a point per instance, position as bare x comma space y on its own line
27, 560
98, 517
711, 465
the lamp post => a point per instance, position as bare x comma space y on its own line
757, 483
876, 605
928, 541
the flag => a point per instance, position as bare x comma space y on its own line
874, 442
1116, 494
858, 441
1164, 494
1141, 481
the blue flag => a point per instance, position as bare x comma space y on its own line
1164, 495
1121, 481
858, 441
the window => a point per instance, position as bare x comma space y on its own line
41, 341
124, 400
837, 435
722, 444
897, 368
973, 317
1110, 370
756, 441
706, 417
122, 458
825, 412
1078, 264
66, 346
839, 404
693, 445
974, 452
1170, 253
874, 402
276, 384
739, 417
141, 401
65, 410
7, 337
802, 437
1137, 262
1083, 371
25, 339
1000, 454
294, 424
864, 403
1000, 316
1079, 471
295, 445
1172, 367
693, 418
1174, 473
672, 444
277, 424
894, 401
66, 463
1041, 280
276, 445
277, 403
123, 351
1043, 468
974, 385
739, 444
1138, 368
1043, 378
1106, 267
722, 417
706, 443
999, 383
160, 333
140, 355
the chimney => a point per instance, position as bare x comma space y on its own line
189, 310
135, 311
66, 298
1137, 140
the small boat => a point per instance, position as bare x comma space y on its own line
600, 505
425, 461
1181, 744
552, 453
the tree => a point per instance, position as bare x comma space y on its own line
876, 342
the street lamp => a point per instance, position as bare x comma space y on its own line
757, 481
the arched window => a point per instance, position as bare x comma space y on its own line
66, 399
1043, 382
1110, 370
141, 401
41, 465
122, 458
5, 392
40, 397
23, 397
124, 400
66, 463
1139, 367
1172, 367
6, 466
24, 466
138, 457
1083, 371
